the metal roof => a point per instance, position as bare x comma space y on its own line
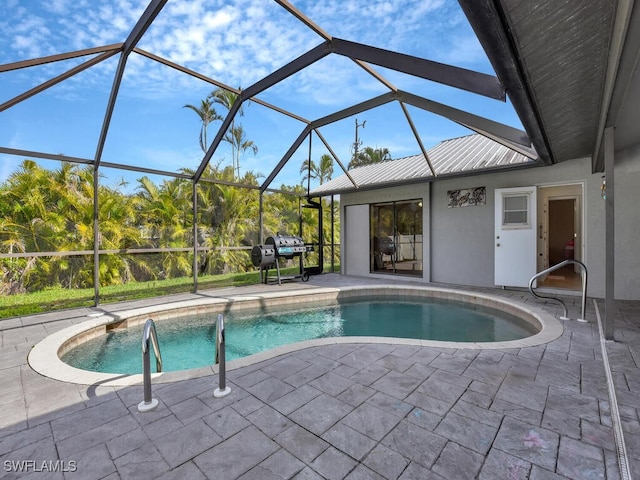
471, 153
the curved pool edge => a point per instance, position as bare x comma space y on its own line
44, 356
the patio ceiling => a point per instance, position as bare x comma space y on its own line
570, 67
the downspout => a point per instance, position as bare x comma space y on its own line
261, 219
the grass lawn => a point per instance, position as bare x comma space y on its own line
61, 298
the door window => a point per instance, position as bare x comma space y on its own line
515, 211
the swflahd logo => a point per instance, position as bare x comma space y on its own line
23, 466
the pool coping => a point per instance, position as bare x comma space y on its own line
44, 357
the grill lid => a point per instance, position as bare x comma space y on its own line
286, 245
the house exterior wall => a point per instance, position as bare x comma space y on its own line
467, 234
356, 240
627, 221
459, 242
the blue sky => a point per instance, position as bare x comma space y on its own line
236, 42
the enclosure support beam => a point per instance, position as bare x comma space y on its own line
134, 37
292, 149
7, 67
261, 219
418, 139
96, 240
195, 236
226, 123
335, 157
354, 109
54, 81
504, 134
469, 80
609, 214
143, 24
218, 84
303, 61
333, 243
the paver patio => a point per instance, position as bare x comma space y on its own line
354, 411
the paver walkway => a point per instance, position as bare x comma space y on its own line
355, 411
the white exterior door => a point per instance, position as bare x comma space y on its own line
356, 245
515, 236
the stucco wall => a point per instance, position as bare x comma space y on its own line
355, 240
459, 242
463, 238
627, 218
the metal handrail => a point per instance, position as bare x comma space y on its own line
149, 335
222, 389
564, 263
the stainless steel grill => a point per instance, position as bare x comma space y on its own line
276, 247
263, 256
287, 246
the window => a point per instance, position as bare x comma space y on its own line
515, 211
396, 237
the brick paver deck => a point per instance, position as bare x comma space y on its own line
354, 411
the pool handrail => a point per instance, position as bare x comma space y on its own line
149, 335
564, 263
222, 389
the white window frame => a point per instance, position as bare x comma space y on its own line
521, 225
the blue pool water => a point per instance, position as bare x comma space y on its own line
189, 342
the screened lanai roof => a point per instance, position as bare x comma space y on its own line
568, 70
449, 158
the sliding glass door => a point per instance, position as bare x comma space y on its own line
396, 237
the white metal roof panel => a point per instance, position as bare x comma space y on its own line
455, 156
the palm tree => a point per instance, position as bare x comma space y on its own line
368, 156
235, 136
53, 211
163, 211
207, 115
322, 171
226, 99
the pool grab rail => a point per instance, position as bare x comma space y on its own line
222, 389
149, 335
564, 263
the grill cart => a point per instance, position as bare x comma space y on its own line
275, 248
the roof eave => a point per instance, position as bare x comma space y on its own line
488, 22
429, 179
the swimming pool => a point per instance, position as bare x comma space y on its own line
45, 356
189, 342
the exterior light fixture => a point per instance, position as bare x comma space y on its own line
603, 188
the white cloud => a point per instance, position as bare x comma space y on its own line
53, 7
240, 41
219, 19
